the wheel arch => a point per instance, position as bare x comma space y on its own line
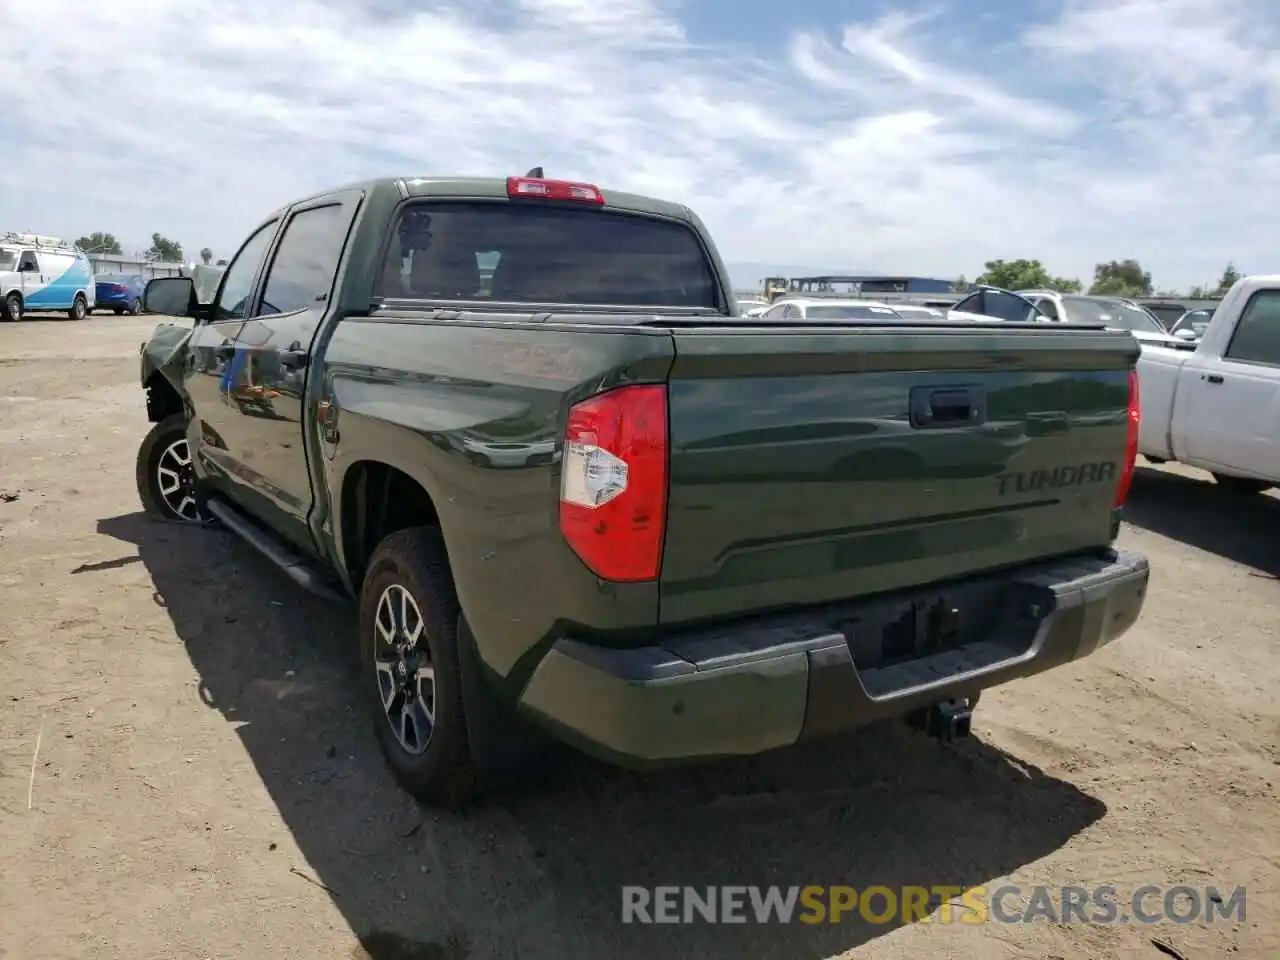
378, 497
163, 398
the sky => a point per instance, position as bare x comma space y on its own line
835, 134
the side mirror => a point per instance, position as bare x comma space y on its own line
1185, 334
171, 296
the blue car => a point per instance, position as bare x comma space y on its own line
119, 292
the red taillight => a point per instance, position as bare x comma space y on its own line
119, 288
613, 482
553, 190
1133, 420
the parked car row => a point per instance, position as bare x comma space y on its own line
836, 308
1050, 306
47, 274
982, 304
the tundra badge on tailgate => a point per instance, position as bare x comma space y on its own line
1031, 481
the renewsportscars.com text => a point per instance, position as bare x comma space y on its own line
1009, 904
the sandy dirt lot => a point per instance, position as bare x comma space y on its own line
206, 787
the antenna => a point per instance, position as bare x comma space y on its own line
536, 173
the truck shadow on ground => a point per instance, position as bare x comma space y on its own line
1240, 528
539, 872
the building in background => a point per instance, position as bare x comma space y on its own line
136, 266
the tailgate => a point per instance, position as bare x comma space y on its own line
822, 464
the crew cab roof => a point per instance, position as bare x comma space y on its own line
496, 188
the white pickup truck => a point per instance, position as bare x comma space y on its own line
1218, 407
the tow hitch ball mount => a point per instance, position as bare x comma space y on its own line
946, 721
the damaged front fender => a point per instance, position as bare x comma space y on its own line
163, 362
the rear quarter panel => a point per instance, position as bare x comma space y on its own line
426, 396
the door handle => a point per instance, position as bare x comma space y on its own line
1212, 377
938, 407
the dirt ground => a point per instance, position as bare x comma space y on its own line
205, 786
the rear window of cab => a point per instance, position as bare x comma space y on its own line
527, 253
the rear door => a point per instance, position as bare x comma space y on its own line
273, 347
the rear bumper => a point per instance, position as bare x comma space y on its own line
770, 682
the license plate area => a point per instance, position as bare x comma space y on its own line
901, 628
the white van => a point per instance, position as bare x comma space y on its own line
43, 273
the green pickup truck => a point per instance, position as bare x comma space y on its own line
578, 497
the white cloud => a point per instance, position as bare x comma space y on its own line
924, 142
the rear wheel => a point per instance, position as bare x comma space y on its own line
164, 473
79, 308
117, 310
412, 678
1240, 486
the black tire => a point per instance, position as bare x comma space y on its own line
1240, 486
11, 309
118, 311
157, 450
79, 308
414, 561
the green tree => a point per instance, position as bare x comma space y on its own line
1229, 278
99, 242
1024, 275
1121, 278
163, 248
206, 256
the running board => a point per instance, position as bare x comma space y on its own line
295, 567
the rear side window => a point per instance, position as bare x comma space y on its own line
1257, 336
531, 253
301, 275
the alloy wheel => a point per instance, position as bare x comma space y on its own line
405, 674
176, 480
